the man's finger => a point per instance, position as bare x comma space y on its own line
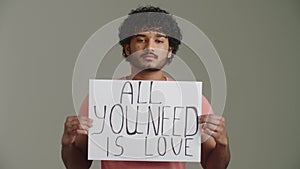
209, 132
210, 126
71, 118
213, 119
82, 132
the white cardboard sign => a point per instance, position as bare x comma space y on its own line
144, 120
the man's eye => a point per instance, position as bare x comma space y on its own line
140, 40
159, 41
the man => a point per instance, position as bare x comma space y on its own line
149, 37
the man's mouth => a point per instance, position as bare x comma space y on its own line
149, 56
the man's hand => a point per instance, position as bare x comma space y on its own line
214, 126
74, 126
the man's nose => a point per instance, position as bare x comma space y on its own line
150, 45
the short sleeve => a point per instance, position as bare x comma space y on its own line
206, 107
84, 108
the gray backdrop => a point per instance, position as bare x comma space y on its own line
258, 42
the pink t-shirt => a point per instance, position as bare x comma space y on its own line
111, 164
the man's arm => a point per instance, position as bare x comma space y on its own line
215, 146
74, 143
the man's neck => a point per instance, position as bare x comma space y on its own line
147, 75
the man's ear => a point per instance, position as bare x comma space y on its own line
127, 49
170, 52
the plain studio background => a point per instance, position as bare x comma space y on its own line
257, 41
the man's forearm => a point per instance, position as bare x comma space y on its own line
219, 158
73, 158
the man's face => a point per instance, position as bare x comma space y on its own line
148, 50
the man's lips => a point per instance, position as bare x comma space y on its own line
149, 56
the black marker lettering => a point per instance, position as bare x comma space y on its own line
186, 147
150, 95
146, 149
118, 145
102, 118
186, 121
150, 116
173, 146
164, 145
107, 146
163, 119
139, 93
130, 92
174, 119
111, 119
136, 122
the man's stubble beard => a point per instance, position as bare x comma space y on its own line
135, 63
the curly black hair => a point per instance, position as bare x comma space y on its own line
150, 18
